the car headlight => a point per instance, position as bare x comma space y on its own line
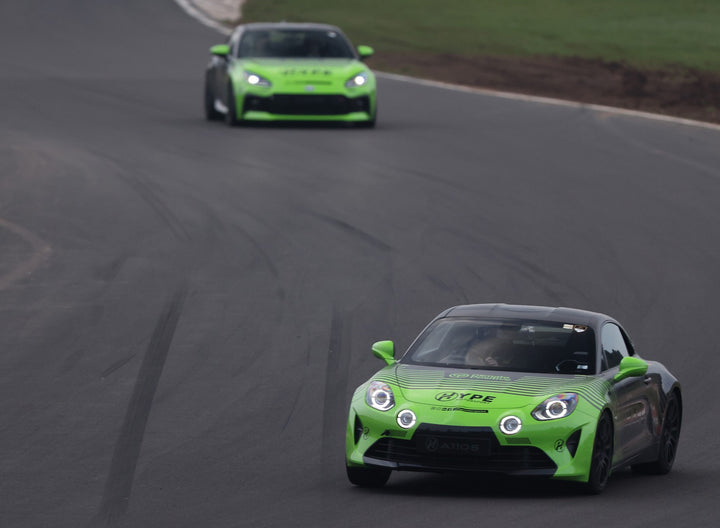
357, 80
406, 419
380, 396
510, 425
254, 79
558, 406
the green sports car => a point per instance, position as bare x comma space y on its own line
520, 390
289, 72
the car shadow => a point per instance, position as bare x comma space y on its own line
303, 125
493, 486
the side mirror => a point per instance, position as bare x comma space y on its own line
365, 51
221, 50
385, 350
631, 367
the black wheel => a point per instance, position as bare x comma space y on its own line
669, 439
368, 477
602, 455
210, 113
231, 116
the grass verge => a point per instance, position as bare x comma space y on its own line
653, 55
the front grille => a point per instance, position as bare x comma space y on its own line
307, 104
439, 448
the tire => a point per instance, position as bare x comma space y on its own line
669, 438
209, 102
601, 463
231, 115
368, 477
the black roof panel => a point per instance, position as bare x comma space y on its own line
518, 311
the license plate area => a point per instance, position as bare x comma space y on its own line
453, 445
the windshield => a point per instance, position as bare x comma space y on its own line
294, 43
510, 345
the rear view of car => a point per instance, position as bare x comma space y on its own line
290, 72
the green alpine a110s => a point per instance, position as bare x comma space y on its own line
289, 72
519, 390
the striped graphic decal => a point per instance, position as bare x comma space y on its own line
592, 388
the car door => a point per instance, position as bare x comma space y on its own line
631, 397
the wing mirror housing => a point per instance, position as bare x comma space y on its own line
631, 367
365, 52
220, 50
385, 350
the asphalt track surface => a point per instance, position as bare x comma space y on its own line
185, 308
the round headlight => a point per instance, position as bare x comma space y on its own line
359, 79
253, 79
510, 425
380, 396
556, 408
406, 419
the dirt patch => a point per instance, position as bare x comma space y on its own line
678, 92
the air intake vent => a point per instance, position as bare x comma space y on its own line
358, 431
572, 442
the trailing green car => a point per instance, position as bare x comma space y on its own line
519, 390
289, 72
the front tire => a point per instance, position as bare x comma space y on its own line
210, 113
669, 439
231, 117
601, 463
368, 477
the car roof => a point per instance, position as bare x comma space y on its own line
538, 313
290, 25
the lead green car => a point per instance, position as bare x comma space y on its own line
519, 390
289, 72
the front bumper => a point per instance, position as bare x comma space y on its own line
326, 104
454, 439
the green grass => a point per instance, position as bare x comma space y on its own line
645, 33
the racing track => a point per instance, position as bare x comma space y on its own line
185, 309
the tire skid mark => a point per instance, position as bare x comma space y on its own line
336, 375
298, 393
518, 262
269, 264
112, 270
118, 486
156, 204
644, 146
253, 240
41, 252
117, 365
144, 191
354, 231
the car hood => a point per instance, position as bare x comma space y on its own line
499, 389
303, 70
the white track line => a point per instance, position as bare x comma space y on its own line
189, 7
41, 252
191, 10
550, 101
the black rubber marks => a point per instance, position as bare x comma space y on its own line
118, 486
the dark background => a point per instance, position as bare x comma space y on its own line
185, 309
